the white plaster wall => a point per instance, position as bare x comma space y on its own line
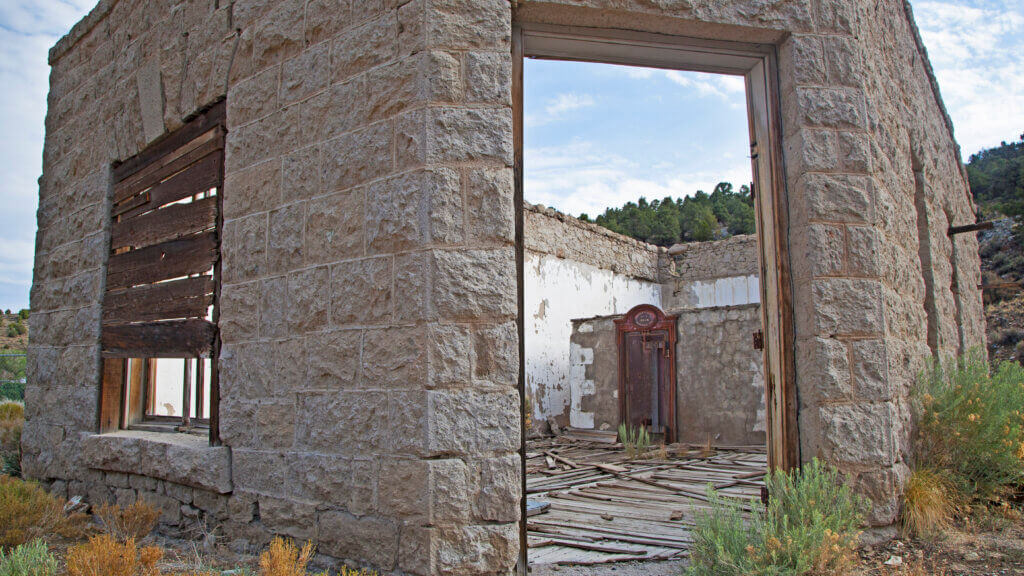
730, 291
556, 291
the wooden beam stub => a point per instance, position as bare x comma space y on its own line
953, 230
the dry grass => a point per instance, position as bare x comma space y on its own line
133, 522
27, 512
283, 558
930, 502
103, 555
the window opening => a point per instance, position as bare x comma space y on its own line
159, 336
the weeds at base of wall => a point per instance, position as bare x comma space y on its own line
30, 518
930, 501
132, 522
636, 441
810, 526
969, 444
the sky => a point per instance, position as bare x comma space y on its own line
588, 145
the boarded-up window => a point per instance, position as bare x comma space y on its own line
159, 333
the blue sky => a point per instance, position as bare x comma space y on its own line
589, 145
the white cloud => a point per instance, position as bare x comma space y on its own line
559, 107
563, 103
979, 63
583, 177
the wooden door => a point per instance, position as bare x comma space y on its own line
647, 379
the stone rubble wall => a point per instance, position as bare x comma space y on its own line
719, 376
712, 274
369, 361
734, 256
548, 231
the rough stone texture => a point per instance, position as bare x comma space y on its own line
719, 376
871, 167
736, 256
357, 155
547, 231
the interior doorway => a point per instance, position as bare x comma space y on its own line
572, 464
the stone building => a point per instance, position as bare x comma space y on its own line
355, 196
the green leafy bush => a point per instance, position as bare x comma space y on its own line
32, 559
23, 313
971, 423
810, 526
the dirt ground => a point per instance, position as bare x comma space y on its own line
991, 546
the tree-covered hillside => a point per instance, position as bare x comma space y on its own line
696, 218
997, 180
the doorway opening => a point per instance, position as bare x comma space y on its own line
655, 328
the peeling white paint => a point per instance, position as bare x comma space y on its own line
556, 291
731, 291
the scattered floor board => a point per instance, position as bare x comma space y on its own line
606, 507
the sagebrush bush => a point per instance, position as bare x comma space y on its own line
133, 522
929, 503
27, 512
810, 526
31, 559
103, 555
970, 423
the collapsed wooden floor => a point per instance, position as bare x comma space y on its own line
591, 504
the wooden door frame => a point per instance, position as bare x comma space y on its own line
757, 64
663, 323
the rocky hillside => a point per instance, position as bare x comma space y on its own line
997, 180
14, 330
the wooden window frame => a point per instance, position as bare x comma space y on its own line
159, 286
757, 64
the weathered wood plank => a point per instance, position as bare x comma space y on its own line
172, 259
171, 339
172, 144
164, 172
110, 395
185, 298
168, 223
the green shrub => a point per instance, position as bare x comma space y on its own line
12, 391
23, 313
12, 331
971, 423
32, 559
635, 440
810, 526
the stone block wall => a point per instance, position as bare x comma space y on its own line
369, 366
873, 177
369, 229
719, 375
